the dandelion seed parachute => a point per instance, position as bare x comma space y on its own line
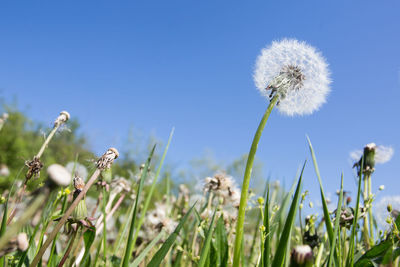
298, 67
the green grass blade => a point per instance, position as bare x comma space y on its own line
328, 222
206, 246
145, 251
337, 226
122, 233
162, 252
279, 258
129, 244
350, 261
152, 188
221, 243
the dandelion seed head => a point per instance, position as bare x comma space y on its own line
22, 241
383, 154
302, 254
157, 220
295, 71
78, 169
4, 170
120, 184
219, 182
59, 174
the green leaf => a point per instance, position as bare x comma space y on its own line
279, 258
206, 246
221, 243
267, 241
129, 244
162, 252
328, 222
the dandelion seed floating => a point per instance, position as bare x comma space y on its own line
296, 73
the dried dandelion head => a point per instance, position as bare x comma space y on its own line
62, 118
219, 182
120, 184
107, 159
34, 167
296, 73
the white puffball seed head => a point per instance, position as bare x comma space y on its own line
59, 175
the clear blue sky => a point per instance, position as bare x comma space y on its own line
188, 64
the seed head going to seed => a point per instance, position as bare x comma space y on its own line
59, 175
22, 241
34, 167
294, 71
107, 159
301, 255
372, 154
77, 169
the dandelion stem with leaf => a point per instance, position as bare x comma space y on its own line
295, 78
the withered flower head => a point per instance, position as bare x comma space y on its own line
107, 159
34, 167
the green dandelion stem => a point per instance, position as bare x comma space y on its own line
246, 182
371, 218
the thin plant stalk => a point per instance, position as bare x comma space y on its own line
246, 183
53, 246
353, 237
371, 218
366, 221
71, 242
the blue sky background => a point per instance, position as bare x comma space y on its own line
188, 64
